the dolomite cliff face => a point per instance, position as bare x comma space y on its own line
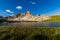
27, 17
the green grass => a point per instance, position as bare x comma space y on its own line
18, 33
53, 19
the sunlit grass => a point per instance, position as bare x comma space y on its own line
53, 19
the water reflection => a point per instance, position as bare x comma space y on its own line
33, 24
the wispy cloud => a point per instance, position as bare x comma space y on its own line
9, 11
33, 2
19, 7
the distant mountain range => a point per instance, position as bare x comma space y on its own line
27, 17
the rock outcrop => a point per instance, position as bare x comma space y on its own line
27, 17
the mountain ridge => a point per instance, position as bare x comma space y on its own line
27, 17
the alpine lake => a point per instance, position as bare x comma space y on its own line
32, 24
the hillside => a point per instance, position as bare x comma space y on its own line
53, 19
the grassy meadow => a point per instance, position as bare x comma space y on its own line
18, 33
53, 19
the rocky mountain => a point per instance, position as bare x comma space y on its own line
27, 17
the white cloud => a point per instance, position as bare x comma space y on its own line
9, 11
19, 7
33, 2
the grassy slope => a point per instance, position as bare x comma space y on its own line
53, 19
17, 33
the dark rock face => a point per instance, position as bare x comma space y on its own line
17, 15
12, 17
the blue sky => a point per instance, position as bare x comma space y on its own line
11, 7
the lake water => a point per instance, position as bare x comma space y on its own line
33, 24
